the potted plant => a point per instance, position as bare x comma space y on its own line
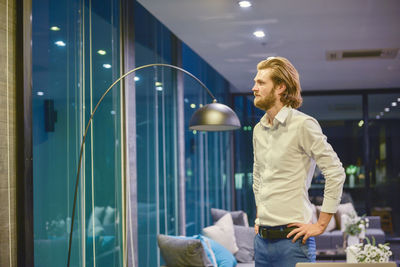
369, 252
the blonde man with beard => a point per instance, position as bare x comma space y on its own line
287, 145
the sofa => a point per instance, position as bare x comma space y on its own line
230, 240
334, 239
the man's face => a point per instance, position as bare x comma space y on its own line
264, 90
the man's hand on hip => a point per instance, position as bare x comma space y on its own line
305, 230
308, 229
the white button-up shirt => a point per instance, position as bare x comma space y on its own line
285, 154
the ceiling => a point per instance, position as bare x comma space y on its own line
302, 30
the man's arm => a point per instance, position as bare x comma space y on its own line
314, 144
308, 230
256, 224
256, 182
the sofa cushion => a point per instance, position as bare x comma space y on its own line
378, 234
336, 239
207, 247
245, 242
374, 222
343, 209
222, 255
323, 241
223, 233
182, 252
238, 217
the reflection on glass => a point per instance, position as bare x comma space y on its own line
68, 84
385, 159
207, 154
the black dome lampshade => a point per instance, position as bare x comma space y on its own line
214, 117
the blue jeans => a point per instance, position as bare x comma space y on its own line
282, 252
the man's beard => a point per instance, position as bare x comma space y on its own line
267, 102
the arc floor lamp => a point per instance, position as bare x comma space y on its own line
211, 117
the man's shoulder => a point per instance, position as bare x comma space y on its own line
299, 116
258, 125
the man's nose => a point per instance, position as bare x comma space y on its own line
254, 88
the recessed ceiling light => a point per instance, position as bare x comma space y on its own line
244, 4
394, 104
398, 99
259, 34
101, 52
137, 78
54, 28
360, 123
387, 109
40, 93
113, 112
159, 88
106, 66
378, 117
193, 105
158, 83
60, 43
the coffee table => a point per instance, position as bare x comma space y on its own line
338, 254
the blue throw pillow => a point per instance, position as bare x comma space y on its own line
223, 256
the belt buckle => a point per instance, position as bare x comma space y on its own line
264, 232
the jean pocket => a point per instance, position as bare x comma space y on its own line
308, 248
304, 249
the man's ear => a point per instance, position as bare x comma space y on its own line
281, 88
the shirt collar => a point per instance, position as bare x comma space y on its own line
280, 117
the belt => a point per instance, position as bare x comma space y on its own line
275, 232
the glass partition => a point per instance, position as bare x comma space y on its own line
156, 124
384, 134
75, 58
249, 116
207, 154
340, 117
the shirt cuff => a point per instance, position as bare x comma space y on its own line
257, 221
330, 205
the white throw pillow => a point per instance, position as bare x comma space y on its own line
223, 233
342, 209
95, 218
109, 216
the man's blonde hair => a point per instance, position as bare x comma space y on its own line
283, 72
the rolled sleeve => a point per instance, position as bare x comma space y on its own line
315, 145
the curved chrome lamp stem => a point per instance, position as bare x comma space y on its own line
90, 121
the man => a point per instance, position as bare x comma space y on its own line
287, 145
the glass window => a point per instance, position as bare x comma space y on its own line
340, 117
249, 116
384, 134
156, 124
75, 58
207, 154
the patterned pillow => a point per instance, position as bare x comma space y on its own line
181, 252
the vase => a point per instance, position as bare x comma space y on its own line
352, 240
351, 254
